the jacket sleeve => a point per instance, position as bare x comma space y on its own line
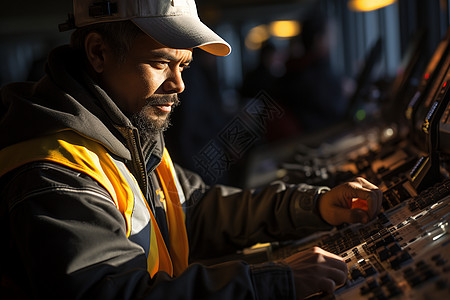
221, 220
67, 240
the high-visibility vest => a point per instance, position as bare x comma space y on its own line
90, 157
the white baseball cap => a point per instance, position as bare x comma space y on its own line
173, 23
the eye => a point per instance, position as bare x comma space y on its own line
184, 67
159, 64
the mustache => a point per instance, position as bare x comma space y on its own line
163, 99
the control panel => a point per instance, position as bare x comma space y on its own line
404, 253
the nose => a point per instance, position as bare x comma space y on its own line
174, 82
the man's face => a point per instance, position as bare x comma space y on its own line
145, 86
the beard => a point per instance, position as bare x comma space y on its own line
150, 121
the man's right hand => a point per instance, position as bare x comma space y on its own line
315, 271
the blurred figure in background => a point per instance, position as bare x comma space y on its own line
310, 89
269, 69
266, 77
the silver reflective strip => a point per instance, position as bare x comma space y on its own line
63, 189
140, 218
179, 189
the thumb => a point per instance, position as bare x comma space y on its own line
347, 215
327, 285
358, 216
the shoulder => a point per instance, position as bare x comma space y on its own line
44, 179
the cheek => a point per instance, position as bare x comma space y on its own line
133, 86
137, 89
145, 84
148, 81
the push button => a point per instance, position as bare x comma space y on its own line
355, 274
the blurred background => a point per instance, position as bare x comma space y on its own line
297, 68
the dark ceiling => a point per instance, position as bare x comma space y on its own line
28, 16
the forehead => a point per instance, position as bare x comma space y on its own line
145, 46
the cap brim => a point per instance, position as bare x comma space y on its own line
183, 32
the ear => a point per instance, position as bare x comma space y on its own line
95, 47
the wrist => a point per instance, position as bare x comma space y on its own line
317, 197
280, 277
304, 208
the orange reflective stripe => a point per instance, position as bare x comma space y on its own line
153, 256
158, 258
179, 247
164, 259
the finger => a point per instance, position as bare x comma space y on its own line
332, 278
380, 199
359, 216
326, 285
372, 199
316, 255
326, 253
359, 203
336, 264
337, 275
347, 215
306, 255
366, 183
377, 194
374, 203
331, 259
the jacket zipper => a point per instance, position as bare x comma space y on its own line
139, 166
137, 159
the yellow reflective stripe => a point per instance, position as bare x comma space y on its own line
179, 248
153, 256
79, 153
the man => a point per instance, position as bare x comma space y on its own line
308, 70
92, 206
